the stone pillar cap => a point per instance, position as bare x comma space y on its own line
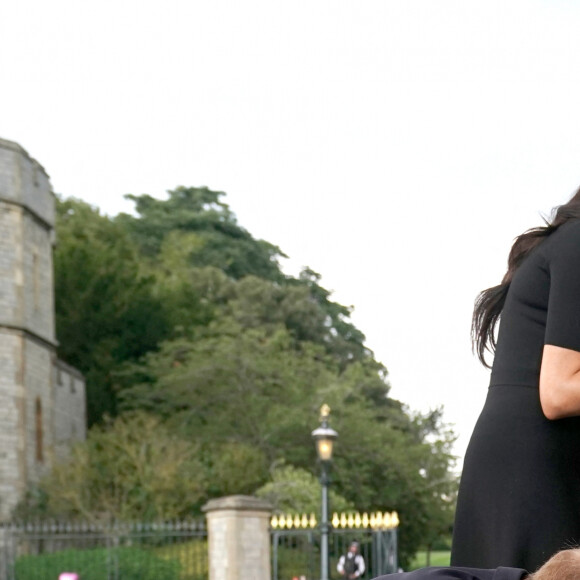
238, 503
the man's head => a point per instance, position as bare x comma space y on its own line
564, 565
353, 547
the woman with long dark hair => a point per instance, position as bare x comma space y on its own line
519, 497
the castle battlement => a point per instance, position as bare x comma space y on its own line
24, 182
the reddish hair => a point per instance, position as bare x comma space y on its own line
564, 565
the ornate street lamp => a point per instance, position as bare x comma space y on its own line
324, 438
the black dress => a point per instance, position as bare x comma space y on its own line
519, 497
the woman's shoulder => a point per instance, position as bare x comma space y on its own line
569, 230
565, 240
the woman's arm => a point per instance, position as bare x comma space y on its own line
560, 382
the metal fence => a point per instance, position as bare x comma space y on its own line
179, 550
296, 545
153, 551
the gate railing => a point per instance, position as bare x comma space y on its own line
296, 543
135, 551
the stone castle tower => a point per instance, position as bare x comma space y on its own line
42, 400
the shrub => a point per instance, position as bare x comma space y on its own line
192, 557
96, 564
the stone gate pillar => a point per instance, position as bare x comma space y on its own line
238, 538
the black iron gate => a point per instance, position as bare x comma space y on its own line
296, 545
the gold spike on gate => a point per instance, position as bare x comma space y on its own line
387, 523
377, 520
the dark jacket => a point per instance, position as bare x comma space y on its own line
458, 574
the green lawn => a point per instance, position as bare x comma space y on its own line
438, 558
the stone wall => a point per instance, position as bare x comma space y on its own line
38, 287
69, 409
39, 434
11, 274
26, 279
12, 476
42, 401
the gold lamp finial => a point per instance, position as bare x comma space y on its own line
324, 412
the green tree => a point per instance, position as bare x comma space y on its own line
233, 467
190, 319
342, 339
105, 311
186, 303
235, 384
389, 465
293, 490
256, 388
439, 491
201, 211
220, 242
134, 468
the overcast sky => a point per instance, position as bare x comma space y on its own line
395, 146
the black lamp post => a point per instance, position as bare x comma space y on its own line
324, 438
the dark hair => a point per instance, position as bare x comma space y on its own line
489, 303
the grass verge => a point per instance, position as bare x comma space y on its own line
438, 558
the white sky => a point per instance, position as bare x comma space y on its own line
396, 147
